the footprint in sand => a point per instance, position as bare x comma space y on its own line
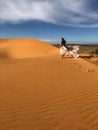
79, 66
91, 70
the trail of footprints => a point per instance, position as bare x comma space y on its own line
90, 70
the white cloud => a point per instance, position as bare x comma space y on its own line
62, 12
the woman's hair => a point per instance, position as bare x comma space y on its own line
63, 40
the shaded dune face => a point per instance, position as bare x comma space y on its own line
25, 48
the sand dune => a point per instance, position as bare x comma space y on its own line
48, 93
24, 48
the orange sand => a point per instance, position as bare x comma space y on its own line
40, 91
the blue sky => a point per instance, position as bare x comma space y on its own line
49, 20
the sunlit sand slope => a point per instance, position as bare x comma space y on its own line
25, 48
48, 93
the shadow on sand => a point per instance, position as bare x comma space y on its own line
4, 55
89, 56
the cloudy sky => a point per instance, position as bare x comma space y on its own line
75, 20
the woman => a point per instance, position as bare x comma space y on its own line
62, 42
63, 47
65, 50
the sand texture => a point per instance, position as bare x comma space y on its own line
41, 91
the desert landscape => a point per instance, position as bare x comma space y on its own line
41, 91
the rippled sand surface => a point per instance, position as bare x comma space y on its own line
47, 93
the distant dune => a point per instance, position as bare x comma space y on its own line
25, 48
